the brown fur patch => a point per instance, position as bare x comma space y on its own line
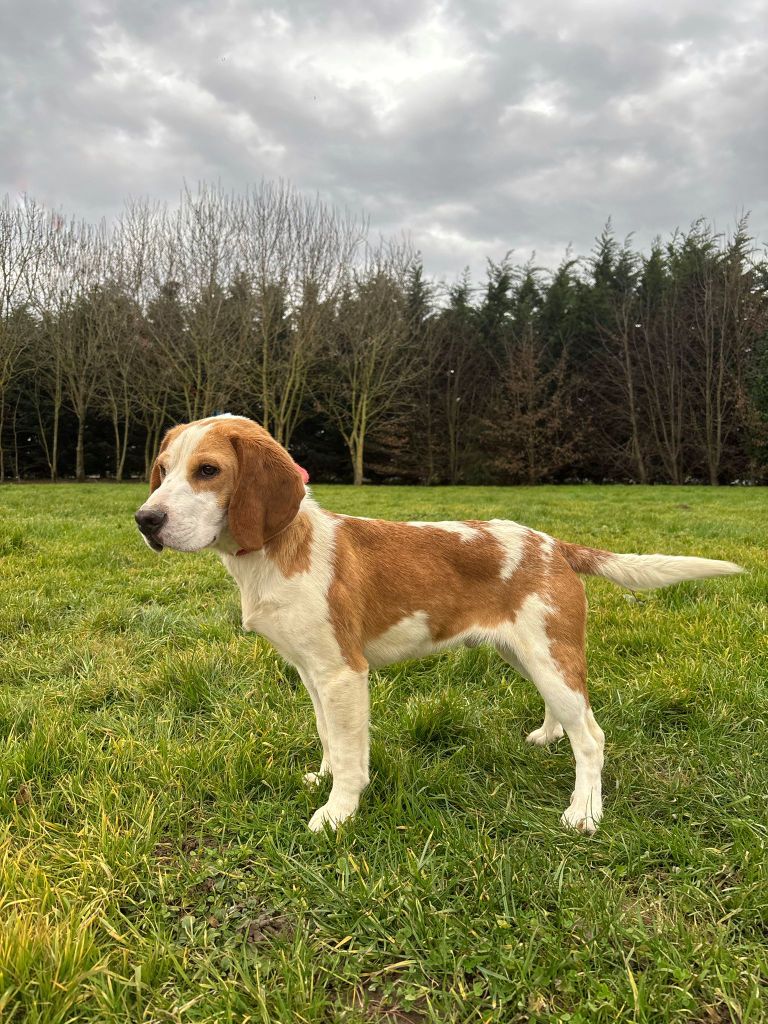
581, 559
291, 550
386, 571
268, 489
566, 624
215, 449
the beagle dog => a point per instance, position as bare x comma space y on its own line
339, 594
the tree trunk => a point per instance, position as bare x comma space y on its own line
637, 452
637, 455
55, 443
16, 440
123, 449
2, 450
116, 431
357, 462
80, 455
153, 443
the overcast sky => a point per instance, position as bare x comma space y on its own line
476, 127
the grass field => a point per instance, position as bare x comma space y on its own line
155, 863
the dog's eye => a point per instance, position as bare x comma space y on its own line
163, 471
209, 471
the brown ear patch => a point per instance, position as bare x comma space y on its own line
267, 490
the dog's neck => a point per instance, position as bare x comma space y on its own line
281, 547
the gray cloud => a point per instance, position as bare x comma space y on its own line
478, 127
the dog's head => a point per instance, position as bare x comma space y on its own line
219, 479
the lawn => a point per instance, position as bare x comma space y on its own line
155, 863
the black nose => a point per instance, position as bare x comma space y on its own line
150, 520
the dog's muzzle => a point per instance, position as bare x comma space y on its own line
150, 521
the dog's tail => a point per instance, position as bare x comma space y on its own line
642, 572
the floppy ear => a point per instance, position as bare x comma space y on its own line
267, 494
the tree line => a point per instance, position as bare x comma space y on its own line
618, 365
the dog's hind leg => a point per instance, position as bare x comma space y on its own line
550, 730
549, 644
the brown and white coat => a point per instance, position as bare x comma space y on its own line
338, 594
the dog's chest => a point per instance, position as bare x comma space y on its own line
290, 613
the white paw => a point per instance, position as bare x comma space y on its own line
544, 735
583, 817
330, 814
315, 778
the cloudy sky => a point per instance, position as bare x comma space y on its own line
477, 127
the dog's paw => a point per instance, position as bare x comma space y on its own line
330, 814
582, 817
314, 778
544, 735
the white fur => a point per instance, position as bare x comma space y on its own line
645, 572
410, 638
511, 536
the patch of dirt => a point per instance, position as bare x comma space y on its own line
220, 899
268, 925
376, 1008
201, 888
167, 848
23, 795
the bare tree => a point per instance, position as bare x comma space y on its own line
620, 332
133, 248
21, 249
297, 253
726, 321
52, 295
117, 319
368, 363
662, 362
197, 258
81, 261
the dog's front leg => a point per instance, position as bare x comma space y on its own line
344, 701
313, 778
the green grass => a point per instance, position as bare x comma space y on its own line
155, 863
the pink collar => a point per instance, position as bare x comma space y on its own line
305, 479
